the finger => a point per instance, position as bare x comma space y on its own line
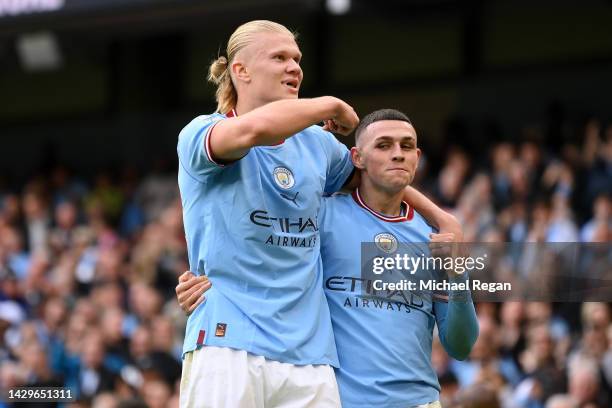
195, 280
185, 286
196, 295
344, 131
442, 244
441, 252
184, 290
188, 301
184, 276
197, 303
440, 248
197, 291
442, 235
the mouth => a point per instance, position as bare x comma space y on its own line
291, 84
398, 169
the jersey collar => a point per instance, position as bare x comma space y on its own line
232, 113
407, 210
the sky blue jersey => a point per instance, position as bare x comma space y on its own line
252, 227
383, 338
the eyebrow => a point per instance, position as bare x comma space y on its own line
284, 51
387, 138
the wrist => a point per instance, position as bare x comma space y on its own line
449, 223
333, 106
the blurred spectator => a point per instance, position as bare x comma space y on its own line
105, 400
65, 220
37, 218
561, 401
584, 383
478, 396
485, 362
94, 377
452, 177
539, 364
156, 394
599, 228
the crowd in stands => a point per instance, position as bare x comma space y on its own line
88, 269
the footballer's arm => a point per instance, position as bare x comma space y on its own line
272, 123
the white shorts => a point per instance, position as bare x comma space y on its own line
221, 377
435, 404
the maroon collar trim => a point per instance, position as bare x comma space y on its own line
408, 214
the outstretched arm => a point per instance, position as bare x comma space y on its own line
272, 123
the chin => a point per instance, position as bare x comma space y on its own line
286, 95
394, 187
400, 182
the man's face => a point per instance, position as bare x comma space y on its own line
388, 155
272, 64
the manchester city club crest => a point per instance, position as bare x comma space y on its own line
386, 242
283, 177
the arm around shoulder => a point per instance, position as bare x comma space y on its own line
442, 220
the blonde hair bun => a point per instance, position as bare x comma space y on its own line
218, 70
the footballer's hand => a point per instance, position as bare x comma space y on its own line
190, 291
448, 223
345, 120
441, 245
445, 245
330, 126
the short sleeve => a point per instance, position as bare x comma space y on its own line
339, 164
194, 147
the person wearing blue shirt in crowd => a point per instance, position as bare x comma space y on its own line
384, 353
251, 178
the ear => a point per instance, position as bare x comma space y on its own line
416, 163
240, 71
357, 158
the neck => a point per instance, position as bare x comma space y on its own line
244, 105
382, 201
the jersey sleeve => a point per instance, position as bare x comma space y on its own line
457, 322
193, 147
339, 164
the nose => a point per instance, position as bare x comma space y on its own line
397, 154
294, 67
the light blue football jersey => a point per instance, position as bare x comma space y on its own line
383, 338
252, 227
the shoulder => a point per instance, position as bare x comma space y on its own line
337, 200
200, 122
325, 138
419, 221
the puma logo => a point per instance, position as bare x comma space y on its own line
293, 200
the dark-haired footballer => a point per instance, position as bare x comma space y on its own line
384, 339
